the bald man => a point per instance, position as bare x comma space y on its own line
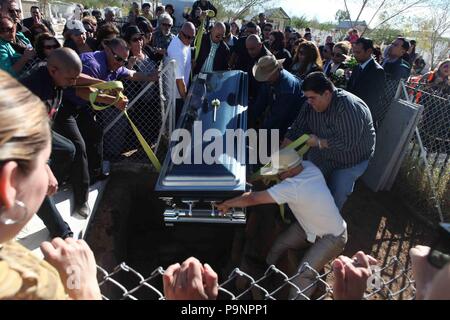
180, 51
256, 50
63, 71
214, 52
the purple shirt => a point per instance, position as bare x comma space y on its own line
95, 65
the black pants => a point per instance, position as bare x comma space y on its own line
92, 132
66, 125
63, 153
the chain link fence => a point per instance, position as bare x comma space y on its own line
426, 169
151, 108
391, 282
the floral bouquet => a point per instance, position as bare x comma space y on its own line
339, 79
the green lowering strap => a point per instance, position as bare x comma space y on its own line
116, 87
199, 35
105, 87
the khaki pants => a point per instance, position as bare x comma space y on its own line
317, 255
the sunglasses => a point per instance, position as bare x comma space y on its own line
55, 46
168, 25
137, 39
14, 11
267, 30
8, 30
118, 58
337, 55
186, 36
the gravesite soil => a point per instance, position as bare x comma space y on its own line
129, 227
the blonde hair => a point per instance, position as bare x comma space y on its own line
24, 124
344, 46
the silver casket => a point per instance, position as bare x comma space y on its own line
191, 188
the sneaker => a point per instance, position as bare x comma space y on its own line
83, 210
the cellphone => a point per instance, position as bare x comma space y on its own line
439, 254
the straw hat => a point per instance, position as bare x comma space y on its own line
266, 67
281, 161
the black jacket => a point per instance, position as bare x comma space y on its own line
220, 59
369, 85
397, 70
28, 22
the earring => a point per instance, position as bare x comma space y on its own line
16, 214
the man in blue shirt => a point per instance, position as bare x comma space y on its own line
279, 98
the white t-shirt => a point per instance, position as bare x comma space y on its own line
309, 198
182, 55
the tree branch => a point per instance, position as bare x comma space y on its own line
399, 12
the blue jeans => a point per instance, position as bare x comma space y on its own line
342, 181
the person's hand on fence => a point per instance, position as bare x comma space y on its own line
122, 103
75, 263
52, 182
190, 281
431, 283
351, 276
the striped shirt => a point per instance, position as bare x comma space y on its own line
347, 126
209, 63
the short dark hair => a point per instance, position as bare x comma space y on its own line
251, 24
170, 6
405, 42
317, 82
307, 29
268, 25
145, 5
35, 7
366, 43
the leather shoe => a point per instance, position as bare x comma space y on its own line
83, 210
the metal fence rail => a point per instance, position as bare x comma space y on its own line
151, 108
390, 282
428, 165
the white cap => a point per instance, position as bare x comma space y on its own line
75, 26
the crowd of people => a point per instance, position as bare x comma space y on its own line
332, 92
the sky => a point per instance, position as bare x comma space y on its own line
324, 10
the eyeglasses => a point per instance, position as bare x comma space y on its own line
7, 30
337, 55
137, 39
55, 46
118, 58
168, 25
187, 36
14, 11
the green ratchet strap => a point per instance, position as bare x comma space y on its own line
116, 88
108, 88
301, 147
